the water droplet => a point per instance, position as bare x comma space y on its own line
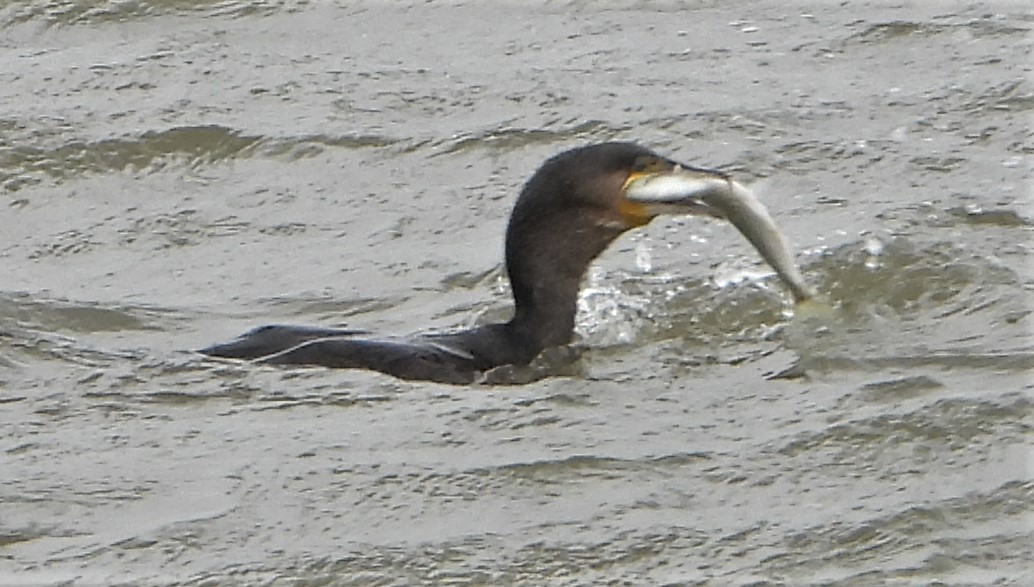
643, 261
874, 247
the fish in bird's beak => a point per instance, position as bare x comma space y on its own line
687, 190
680, 190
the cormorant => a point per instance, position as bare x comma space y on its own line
570, 210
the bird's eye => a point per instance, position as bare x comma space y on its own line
642, 164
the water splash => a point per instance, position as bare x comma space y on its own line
607, 315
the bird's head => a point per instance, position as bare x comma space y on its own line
618, 186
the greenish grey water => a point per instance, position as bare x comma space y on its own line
176, 172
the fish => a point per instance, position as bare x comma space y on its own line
750, 217
717, 195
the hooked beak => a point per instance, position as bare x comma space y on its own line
679, 191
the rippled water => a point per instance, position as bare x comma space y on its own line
176, 172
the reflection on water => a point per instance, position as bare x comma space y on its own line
176, 172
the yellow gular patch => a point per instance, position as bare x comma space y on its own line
635, 213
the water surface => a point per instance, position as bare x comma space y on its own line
177, 172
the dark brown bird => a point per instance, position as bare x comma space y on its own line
570, 210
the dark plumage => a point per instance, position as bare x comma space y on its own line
570, 210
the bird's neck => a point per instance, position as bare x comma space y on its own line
546, 318
546, 261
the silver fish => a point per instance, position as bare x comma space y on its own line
722, 197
